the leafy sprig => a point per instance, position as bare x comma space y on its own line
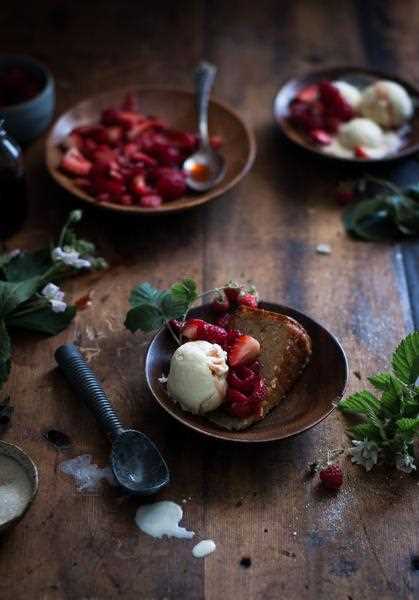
389, 213
23, 278
152, 308
390, 419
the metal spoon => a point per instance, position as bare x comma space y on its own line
205, 168
136, 463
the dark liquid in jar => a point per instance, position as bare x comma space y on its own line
13, 203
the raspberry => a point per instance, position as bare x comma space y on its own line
242, 379
331, 477
248, 300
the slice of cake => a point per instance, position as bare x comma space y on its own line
285, 351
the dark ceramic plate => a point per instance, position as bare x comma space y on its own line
359, 77
177, 107
321, 385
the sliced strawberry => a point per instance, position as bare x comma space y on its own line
139, 186
321, 137
197, 329
176, 325
259, 390
114, 135
243, 351
248, 300
105, 185
151, 201
126, 200
74, 163
233, 334
309, 93
171, 183
234, 395
256, 367
74, 140
192, 328
360, 153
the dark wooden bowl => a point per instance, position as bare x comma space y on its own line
177, 107
360, 77
312, 399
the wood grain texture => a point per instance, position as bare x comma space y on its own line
255, 502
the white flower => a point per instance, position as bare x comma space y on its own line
55, 297
70, 257
405, 462
14, 253
364, 453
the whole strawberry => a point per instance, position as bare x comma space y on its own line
331, 477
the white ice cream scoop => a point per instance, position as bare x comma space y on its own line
349, 93
360, 133
198, 376
387, 103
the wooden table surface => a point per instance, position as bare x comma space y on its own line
255, 502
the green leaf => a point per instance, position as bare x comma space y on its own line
361, 402
145, 293
392, 396
371, 219
184, 291
408, 425
405, 361
13, 294
5, 344
365, 431
44, 320
146, 317
380, 380
27, 265
407, 216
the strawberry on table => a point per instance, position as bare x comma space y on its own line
74, 163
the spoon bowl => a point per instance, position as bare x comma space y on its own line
204, 169
131, 451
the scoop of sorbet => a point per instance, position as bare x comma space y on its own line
198, 376
360, 132
387, 103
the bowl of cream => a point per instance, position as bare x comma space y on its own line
18, 484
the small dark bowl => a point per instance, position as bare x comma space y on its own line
311, 400
27, 120
359, 77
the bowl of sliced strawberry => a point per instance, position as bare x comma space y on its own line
124, 150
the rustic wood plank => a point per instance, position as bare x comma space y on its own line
254, 502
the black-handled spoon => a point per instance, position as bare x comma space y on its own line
136, 462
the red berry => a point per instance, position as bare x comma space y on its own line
308, 94
232, 292
248, 300
360, 153
171, 183
232, 336
334, 103
220, 304
197, 329
321, 137
255, 366
238, 404
74, 163
332, 477
242, 379
245, 349
259, 391
139, 186
224, 321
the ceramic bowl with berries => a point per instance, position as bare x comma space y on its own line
124, 150
237, 368
350, 114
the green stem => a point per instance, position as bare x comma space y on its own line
384, 183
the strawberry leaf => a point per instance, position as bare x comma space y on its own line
405, 361
145, 293
27, 265
13, 294
365, 431
380, 380
184, 291
44, 320
145, 317
362, 402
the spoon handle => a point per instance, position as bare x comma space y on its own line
83, 381
204, 80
